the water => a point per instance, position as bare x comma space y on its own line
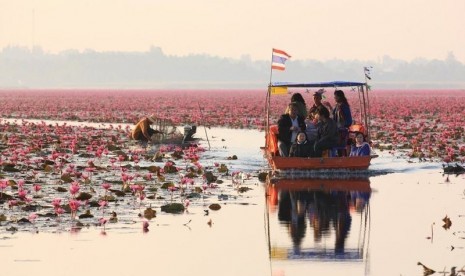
395, 221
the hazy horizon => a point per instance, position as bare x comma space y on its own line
23, 68
310, 29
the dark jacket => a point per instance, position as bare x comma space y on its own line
342, 115
300, 150
284, 128
327, 134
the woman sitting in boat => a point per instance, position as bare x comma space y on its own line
289, 125
327, 136
301, 147
142, 131
301, 105
341, 111
360, 148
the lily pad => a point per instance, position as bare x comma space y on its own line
117, 192
214, 207
167, 185
10, 168
243, 189
149, 213
66, 178
87, 214
173, 208
5, 196
84, 196
210, 177
61, 189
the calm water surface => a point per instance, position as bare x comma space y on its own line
378, 225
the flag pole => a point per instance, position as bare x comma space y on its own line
267, 104
367, 72
271, 66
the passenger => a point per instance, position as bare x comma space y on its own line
360, 148
327, 133
301, 105
343, 118
317, 97
142, 131
289, 125
341, 112
312, 122
301, 147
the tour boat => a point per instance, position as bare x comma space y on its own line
345, 163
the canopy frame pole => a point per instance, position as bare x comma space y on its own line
267, 104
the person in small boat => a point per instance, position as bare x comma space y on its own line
317, 97
342, 115
289, 125
327, 136
301, 147
142, 131
312, 122
341, 112
360, 147
301, 105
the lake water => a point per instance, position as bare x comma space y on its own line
379, 225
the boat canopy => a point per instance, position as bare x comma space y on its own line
317, 84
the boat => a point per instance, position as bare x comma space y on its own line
328, 162
169, 134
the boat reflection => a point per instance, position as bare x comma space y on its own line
323, 220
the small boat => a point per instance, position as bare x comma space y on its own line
169, 134
344, 163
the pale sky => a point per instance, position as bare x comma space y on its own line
306, 29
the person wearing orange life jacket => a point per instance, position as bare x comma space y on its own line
142, 131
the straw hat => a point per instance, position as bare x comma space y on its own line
152, 118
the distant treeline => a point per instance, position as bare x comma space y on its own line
26, 68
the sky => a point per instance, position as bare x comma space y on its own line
305, 29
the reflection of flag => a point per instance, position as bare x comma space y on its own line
367, 72
278, 59
278, 90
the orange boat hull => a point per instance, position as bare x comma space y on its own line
299, 163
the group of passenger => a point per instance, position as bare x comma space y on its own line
303, 133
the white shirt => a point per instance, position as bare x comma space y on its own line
295, 124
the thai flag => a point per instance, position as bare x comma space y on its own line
278, 59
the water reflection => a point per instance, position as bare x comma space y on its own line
317, 220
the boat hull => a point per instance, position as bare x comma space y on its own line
319, 163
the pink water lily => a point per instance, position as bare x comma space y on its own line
74, 188
36, 187
102, 203
106, 186
74, 205
56, 202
